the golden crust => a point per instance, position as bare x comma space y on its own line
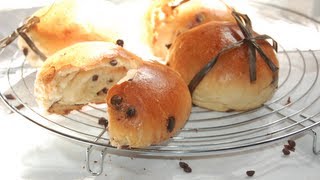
227, 85
164, 23
157, 94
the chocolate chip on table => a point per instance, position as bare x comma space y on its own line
9, 97
95, 77
250, 173
171, 123
289, 148
292, 143
186, 168
20, 106
103, 121
131, 112
183, 164
116, 100
285, 151
25, 51
168, 46
120, 42
113, 62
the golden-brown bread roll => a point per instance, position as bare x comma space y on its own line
150, 105
80, 74
227, 86
166, 19
66, 22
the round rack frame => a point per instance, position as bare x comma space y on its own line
292, 110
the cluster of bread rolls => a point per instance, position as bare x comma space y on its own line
148, 102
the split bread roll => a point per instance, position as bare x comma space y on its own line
150, 106
227, 85
67, 22
147, 102
80, 74
167, 19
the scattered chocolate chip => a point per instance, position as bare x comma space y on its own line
168, 46
131, 112
120, 42
113, 62
199, 18
183, 164
292, 143
103, 121
20, 106
250, 173
171, 123
110, 80
289, 148
25, 51
95, 161
285, 151
9, 97
95, 77
83, 167
144, 168
288, 101
116, 100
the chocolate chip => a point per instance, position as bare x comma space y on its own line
113, 62
25, 51
200, 18
95, 161
103, 121
95, 77
289, 148
125, 147
187, 169
20, 106
116, 100
288, 101
250, 173
285, 151
292, 143
171, 123
110, 80
183, 164
9, 96
120, 42
105, 90
168, 46
131, 111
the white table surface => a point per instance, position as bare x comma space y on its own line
30, 152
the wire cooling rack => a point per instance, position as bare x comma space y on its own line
294, 108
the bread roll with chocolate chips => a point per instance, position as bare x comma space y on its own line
81, 74
148, 106
166, 19
227, 85
67, 22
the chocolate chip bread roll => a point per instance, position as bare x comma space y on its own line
67, 22
167, 19
148, 106
81, 74
227, 86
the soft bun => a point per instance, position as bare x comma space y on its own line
227, 85
81, 74
166, 19
147, 107
67, 22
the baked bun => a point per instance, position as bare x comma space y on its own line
147, 107
166, 19
81, 74
227, 85
67, 22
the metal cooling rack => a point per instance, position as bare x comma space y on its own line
294, 109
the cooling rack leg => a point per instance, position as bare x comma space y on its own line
88, 167
314, 144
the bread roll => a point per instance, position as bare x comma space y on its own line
166, 19
66, 22
149, 106
227, 86
80, 74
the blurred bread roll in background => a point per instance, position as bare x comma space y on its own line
167, 19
